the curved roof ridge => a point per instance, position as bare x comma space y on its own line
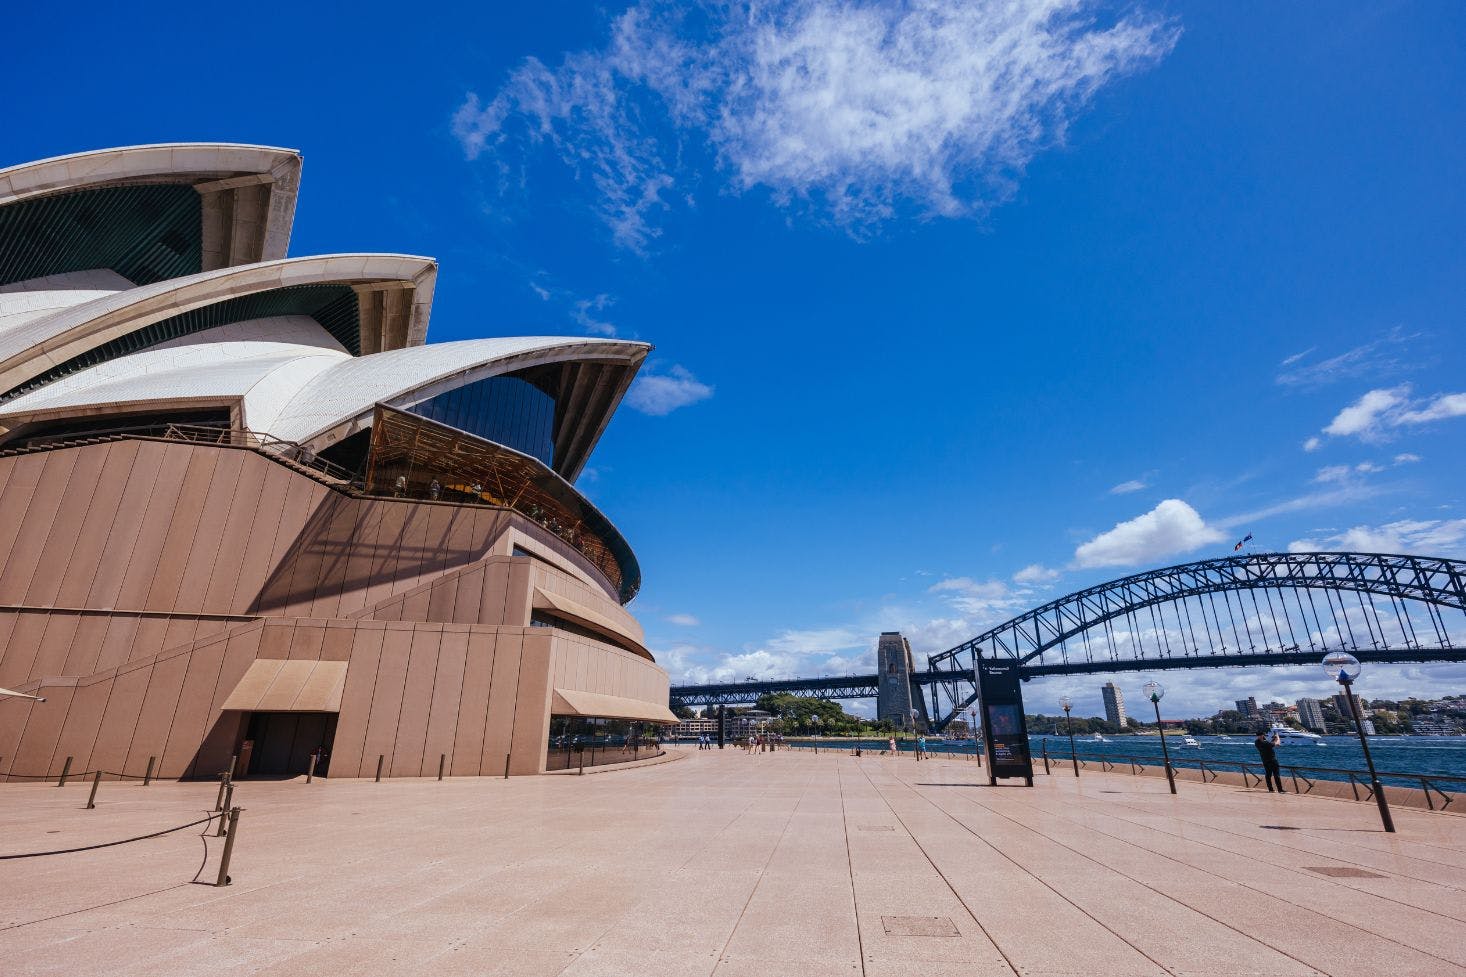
28, 350
142, 162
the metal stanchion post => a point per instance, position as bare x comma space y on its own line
582, 763
442, 760
1046, 755
65, 772
506, 766
148, 775
92, 797
224, 778
233, 765
228, 806
380, 758
233, 816
310, 770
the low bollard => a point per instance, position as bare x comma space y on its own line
442, 759
233, 765
65, 772
92, 797
582, 763
148, 774
310, 771
233, 818
223, 782
506, 766
1046, 756
380, 758
228, 806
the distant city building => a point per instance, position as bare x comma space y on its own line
1114, 704
1341, 703
696, 727
1435, 724
1248, 707
1310, 714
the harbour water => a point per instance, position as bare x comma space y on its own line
1441, 756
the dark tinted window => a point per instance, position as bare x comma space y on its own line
510, 410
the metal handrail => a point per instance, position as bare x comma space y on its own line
1430, 784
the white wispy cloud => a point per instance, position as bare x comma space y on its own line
683, 620
861, 111
1380, 358
1432, 537
981, 598
586, 313
1406, 458
1171, 528
1133, 485
659, 394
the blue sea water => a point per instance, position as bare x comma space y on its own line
1441, 756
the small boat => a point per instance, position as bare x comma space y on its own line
1225, 738
1189, 741
1288, 735
1098, 739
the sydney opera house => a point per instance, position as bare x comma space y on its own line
248, 510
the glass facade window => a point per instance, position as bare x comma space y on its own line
513, 410
577, 740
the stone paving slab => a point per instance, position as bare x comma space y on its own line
726, 864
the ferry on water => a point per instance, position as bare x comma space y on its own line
1288, 735
1189, 741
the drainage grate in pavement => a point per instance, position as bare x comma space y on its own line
1343, 872
919, 926
874, 827
1279, 827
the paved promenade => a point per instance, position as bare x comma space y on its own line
782, 865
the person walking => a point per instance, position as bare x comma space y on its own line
891, 744
1267, 748
921, 747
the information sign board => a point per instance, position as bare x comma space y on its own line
1003, 728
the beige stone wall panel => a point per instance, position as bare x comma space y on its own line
36, 523
531, 727
152, 530
116, 646
386, 702
193, 716
417, 701
499, 729
63, 536
160, 707
216, 514
447, 694
368, 641
120, 718
22, 649
184, 515
308, 639
96, 525
40, 736
54, 648
473, 704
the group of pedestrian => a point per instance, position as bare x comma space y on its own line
704, 742
762, 742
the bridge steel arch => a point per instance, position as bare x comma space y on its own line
1276, 608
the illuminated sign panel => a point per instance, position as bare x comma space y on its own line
1003, 728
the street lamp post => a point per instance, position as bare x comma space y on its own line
1344, 668
915, 735
972, 718
1066, 704
1153, 691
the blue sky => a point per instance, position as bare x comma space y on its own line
956, 307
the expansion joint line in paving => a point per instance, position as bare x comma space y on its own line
763, 872
942, 875
1329, 841
850, 867
1128, 877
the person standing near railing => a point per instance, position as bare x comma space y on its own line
1267, 748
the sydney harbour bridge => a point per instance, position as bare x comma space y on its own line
1257, 609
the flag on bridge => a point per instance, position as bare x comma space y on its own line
1244, 539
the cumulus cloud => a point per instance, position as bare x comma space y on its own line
859, 110
982, 598
683, 620
1036, 573
1125, 488
659, 394
1379, 413
1430, 537
1172, 527
1313, 444
587, 315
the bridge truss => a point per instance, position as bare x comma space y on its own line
1259, 609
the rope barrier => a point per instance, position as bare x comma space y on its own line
74, 775
110, 844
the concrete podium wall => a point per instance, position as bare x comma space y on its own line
140, 579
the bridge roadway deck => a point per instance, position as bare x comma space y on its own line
729, 864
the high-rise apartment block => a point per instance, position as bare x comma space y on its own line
1114, 704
